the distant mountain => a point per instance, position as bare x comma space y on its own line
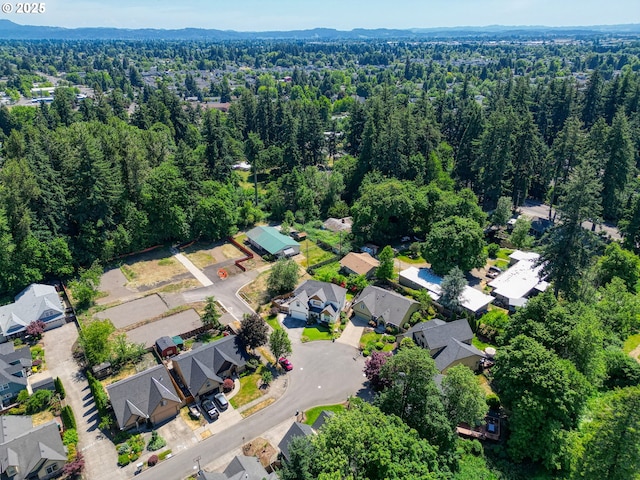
13, 31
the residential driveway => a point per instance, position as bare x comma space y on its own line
353, 332
324, 373
99, 454
195, 271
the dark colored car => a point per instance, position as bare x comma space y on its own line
285, 363
210, 408
221, 401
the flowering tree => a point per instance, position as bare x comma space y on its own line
372, 367
35, 328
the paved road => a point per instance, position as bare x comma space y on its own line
99, 453
225, 292
324, 373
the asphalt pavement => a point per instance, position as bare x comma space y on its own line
324, 373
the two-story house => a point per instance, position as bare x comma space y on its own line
14, 368
317, 301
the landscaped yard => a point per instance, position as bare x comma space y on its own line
479, 344
313, 253
317, 332
369, 339
249, 389
312, 414
327, 272
403, 257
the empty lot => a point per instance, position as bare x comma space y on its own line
170, 326
134, 311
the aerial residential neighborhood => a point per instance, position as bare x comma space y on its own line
236, 244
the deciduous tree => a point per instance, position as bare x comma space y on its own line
385, 269
254, 331
283, 277
464, 399
279, 343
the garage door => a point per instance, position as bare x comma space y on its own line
297, 314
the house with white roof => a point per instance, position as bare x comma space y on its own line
520, 281
36, 302
471, 300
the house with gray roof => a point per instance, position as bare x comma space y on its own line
449, 343
296, 430
14, 368
148, 396
317, 301
30, 452
203, 369
384, 307
36, 302
240, 468
270, 240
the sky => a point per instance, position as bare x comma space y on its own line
262, 15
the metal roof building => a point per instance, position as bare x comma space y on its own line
273, 242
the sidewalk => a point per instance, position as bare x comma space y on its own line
195, 271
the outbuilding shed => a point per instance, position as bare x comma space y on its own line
166, 347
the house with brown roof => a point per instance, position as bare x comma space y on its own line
359, 264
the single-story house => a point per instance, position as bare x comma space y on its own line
449, 343
14, 369
520, 281
148, 396
28, 452
338, 224
384, 307
359, 264
471, 300
314, 300
270, 240
166, 347
240, 468
296, 430
202, 370
36, 302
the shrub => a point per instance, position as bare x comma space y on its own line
153, 459
70, 437
123, 460
71, 452
164, 454
388, 338
156, 442
253, 364
74, 468
267, 377
492, 250
493, 401
59, 388
68, 420
379, 345
227, 385
136, 442
124, 448
39, 401
366, 353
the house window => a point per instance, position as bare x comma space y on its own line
52, 468
4, 386
297, 304
362, 306
163, 403
7, 396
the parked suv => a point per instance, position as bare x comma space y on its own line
221, 401
210, 408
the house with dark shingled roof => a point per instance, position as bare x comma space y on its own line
148, 396
203, 369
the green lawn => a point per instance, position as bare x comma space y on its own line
631, 343
504, 253
313, 253
316, 332
249, 390
312, 414
403, 257
479, 344
327, 272
273, 322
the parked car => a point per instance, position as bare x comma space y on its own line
221, 401
194, 412
210, 408
494, 271
285, 363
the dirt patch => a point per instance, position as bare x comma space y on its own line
151, 268
201, 259
205, 434
147, 361
192, 423
258, 407
255, 293
41, 418
261, 448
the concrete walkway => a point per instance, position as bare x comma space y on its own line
99, 453
195, 271
352, 332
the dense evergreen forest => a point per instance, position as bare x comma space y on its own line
421, 139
